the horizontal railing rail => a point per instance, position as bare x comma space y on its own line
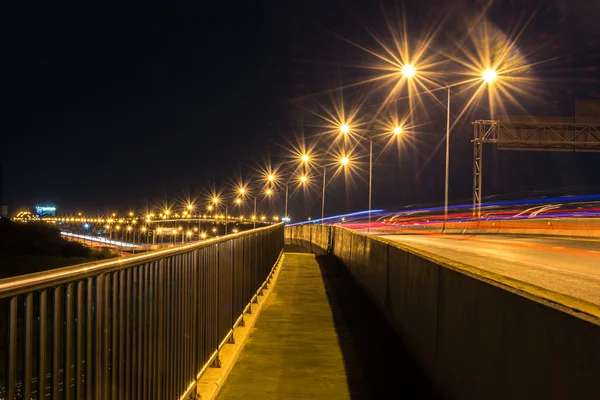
142, 327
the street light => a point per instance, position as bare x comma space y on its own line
408, 70
489, 75
397, 130
305, 158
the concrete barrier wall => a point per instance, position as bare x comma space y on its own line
577, 227
475, 337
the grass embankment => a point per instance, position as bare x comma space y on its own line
36, 246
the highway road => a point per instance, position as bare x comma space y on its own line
563, 265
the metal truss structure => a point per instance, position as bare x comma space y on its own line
532, 135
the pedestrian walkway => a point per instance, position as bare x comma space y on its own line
318, 337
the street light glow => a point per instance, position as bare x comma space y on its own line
344, 160
271, 177
344, 128
408, 70
303, 179
489, 75
215, 200
397, 130
305, 158
238, 201
189, 207
269, 191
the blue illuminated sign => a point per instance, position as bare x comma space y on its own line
45, 211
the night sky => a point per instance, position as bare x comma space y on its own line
112, 107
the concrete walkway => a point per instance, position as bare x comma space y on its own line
319, 337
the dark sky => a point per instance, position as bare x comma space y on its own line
112, 106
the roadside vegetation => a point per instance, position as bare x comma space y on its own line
37, 246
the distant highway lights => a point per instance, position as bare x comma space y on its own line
144, 229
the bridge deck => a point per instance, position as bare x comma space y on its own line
317, 337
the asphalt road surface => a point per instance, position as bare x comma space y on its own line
563, 265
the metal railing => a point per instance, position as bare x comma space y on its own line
142, 327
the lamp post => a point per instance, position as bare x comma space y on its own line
344, 160
216, 202
488, 76
286, 200
345, 129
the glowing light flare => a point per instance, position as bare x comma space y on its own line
489, 75
397, 130
344, 161
408, 71
305, 158
271, 178
303, 179
344, 128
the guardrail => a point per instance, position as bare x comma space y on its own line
141, 327
573, 227
476, 334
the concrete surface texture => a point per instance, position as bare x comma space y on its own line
478, 334
563, 265
319, 336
